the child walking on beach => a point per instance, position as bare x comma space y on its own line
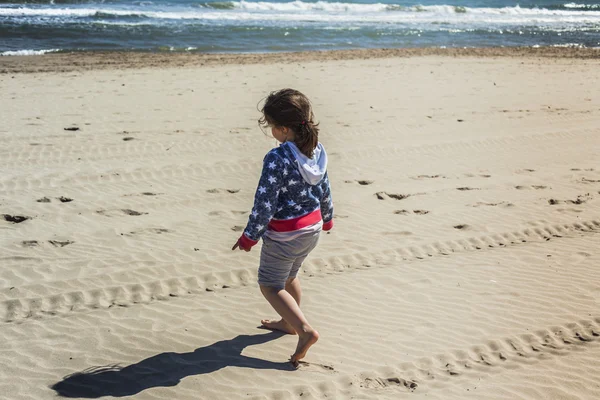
292, 205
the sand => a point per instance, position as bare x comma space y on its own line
463, 262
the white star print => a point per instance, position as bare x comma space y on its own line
259, 227
326, 215
272, 180
284, 190
328, 199
271, 165
292, 182
279, 209
298, 207
303, 193
268, 205
254, 213
285, 160
291, 203
262, 189
285, 172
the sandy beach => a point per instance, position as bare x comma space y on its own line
463, 263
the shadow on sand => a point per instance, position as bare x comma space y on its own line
166, 369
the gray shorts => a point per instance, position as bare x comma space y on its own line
280, 261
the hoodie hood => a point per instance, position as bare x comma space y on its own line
312, 169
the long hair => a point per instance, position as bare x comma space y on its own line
292, 109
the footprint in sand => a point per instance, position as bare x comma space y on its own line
133, 212
15, 219
44, 200
406, 212
502, 203
385, 195
30, 243
537, 187
427, 176
586, 180
421, 212
402, 212
64, 199
237, 228
466, 188
157, 231
581, 199
462, 227
377, 383
306, 364
143, 194
60, 243
109, 213
363, 182
223, 190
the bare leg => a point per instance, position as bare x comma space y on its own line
286, 306
292, 286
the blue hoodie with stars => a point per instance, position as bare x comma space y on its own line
293, 195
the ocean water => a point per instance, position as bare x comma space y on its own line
39, 26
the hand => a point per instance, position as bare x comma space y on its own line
237, 245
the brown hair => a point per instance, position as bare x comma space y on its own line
290, 108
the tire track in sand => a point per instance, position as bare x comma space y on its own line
104, 294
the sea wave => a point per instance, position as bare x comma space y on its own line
27, 52
581, 6
301, 5
320, 11
297, 5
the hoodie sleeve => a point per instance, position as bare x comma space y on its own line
265, 200
326, 204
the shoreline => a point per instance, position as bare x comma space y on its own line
107, 60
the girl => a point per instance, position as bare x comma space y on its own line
291, 206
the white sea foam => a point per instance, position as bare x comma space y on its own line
295, 6
298, 11
582, 6
570, 45
27, 52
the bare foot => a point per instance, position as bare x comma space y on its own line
280, 325
305, 340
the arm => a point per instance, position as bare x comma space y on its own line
265, 201
326, 203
